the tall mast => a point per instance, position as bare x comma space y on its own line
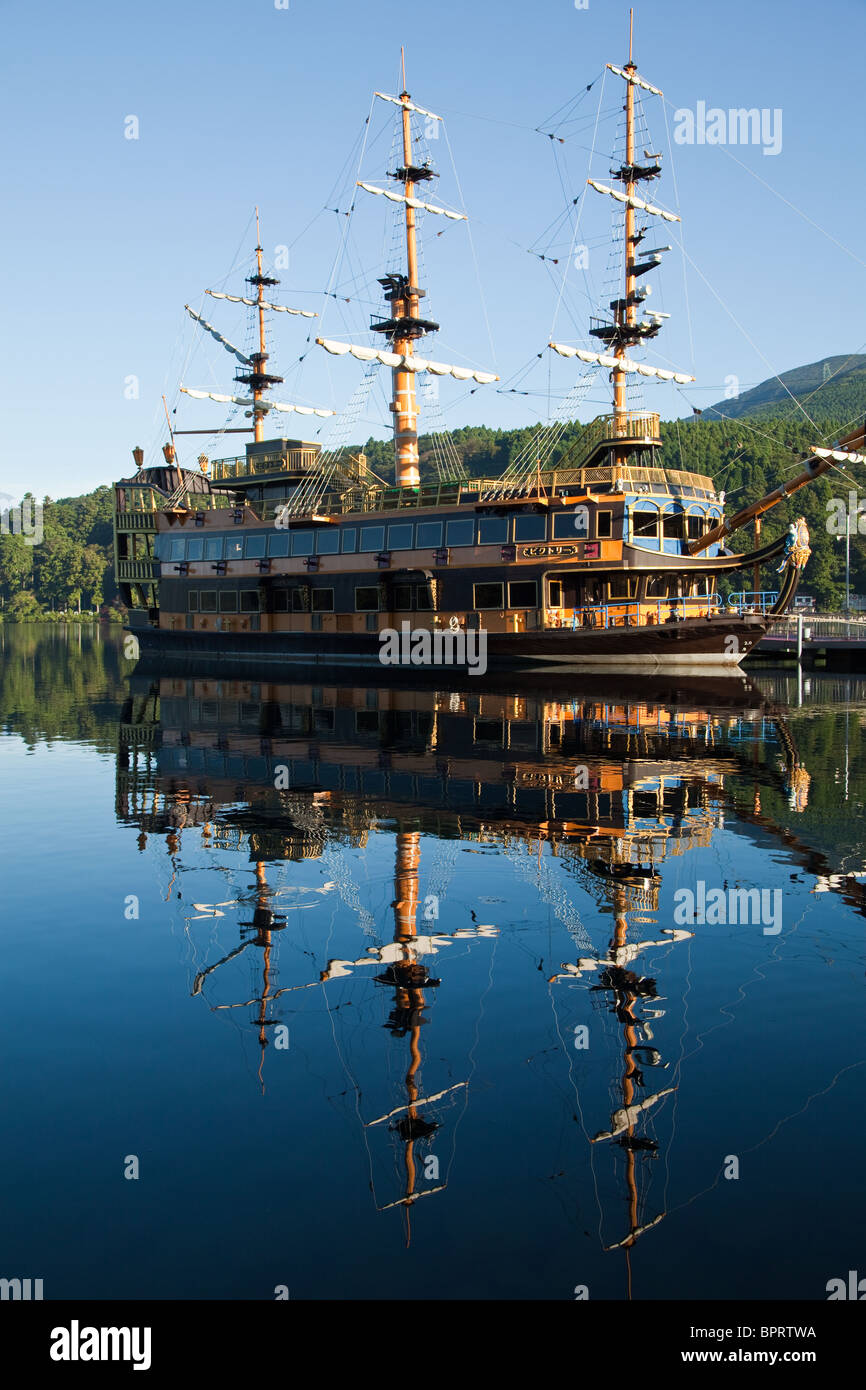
619, 376
257, 378
404, 295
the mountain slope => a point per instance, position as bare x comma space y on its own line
834, 387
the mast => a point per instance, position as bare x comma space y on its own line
619, 378
257, 379
404, 296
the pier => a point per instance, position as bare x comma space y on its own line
816, 643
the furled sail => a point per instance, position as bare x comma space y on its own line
209, 328
254, 303
839, 456
623, 364
410, 105
263, 406
638, 81
413, 202
408, 363
633, 202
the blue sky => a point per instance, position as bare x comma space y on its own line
104, 239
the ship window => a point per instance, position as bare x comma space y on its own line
622, 587
195, 548
429, 533
672, 523
488, 595
349, 540
213, 548
400, 537
234, 548
255, 546
323, 600
229, 601
367, 599
208, 601
422, 598
278, 544
303, 542
530, 528
694, 527
460, 532
522, 594
192, 600
176, 548
554, 592
299, 603
645, 524
249, 601
372, 538
280, 600
403, 598
327, 541
604, 525
657, 586
493, 530
571, 525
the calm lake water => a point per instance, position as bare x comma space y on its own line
387, 993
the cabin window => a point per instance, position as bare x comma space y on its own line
429, 533
695, 527
299, 600
367, 599
672, 524
192, 600
657, 586
645, 524
229, 601
422, 598
278, 544
280, 600
327, 541
488, 595
349, 540
213, 548
460, 532
254, 547
403, 598
530, 528
554, 591
372, 538
234, 548
493, 530
208, 601
604, 525
570, 525
523, 593
249, 601
176, 548
195, 548
400, 537
622, 587
303, 542
323, 600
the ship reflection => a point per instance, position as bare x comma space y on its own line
602, 789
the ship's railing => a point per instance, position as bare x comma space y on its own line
753, 600
147, 501
138, 570
632, 425
635, 613
295, 461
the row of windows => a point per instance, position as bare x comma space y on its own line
674, 525
400, 535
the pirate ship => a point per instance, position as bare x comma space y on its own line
303, 555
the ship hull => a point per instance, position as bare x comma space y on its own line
695, 643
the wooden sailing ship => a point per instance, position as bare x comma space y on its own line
303, 555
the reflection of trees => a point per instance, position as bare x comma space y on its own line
59, 682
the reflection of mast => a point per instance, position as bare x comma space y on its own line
409, 976
264, 922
